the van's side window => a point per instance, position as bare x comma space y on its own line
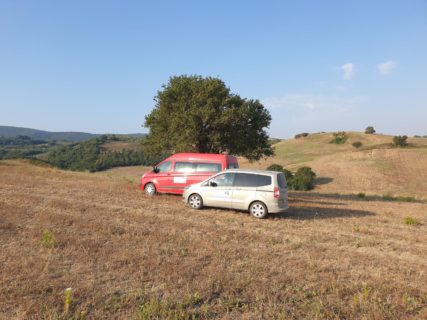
208, 167
164, 167
251, 180
186, 167
223, 180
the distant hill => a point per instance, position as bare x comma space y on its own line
375, 168
8, 131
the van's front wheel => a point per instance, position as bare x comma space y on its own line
258, 210
150, 189
195, 201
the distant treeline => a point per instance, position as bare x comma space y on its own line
91, 156
23, 147
88, 155
20, 141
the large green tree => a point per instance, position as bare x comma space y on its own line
198, 114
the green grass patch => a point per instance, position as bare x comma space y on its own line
48, 240
388, 197
412, 221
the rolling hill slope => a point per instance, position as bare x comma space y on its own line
8, 131
375, 168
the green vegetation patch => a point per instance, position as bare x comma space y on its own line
301, 135
412, 221
340, 137
400, 141
302, 179
23, 147
357, 144
91, 156
48, 240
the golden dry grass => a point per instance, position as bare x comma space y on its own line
128, 256
376, 168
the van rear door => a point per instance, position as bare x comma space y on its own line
246, 186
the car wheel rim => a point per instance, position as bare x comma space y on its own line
194, 201
258, 210
149, 189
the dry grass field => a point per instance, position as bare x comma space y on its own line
126, 256
376, 168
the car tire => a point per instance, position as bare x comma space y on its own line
150, 189
195, 201
258, 210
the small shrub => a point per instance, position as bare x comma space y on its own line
361, 195
303, 179
48, 240
288, 175
412, 221
357, 144
400, 141
339, 137
301, 135
275, 167
370, 130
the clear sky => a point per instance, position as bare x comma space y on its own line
95, 66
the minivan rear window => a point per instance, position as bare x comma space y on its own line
281, 181
251, 180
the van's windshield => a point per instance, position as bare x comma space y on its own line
164, 167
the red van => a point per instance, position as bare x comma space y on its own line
173, 174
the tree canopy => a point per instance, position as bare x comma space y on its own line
197, 114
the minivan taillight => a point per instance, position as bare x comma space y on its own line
276, 192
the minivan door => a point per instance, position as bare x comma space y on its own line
248, 187
162, 177
219, 191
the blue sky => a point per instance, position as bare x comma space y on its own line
96, 66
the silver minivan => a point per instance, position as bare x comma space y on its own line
258, 191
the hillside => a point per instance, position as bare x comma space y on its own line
8, 131
376, 168
127, 256
99, 154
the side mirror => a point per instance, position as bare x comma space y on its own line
156, 170
213, 184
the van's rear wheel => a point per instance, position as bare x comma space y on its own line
150, 189
258, 210
195, 201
